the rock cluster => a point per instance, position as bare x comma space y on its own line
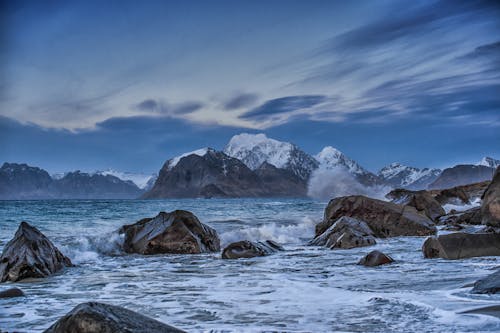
345, 233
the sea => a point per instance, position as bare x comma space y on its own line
302, 289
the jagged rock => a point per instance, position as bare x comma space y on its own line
470, 216
93, 317
385, 219
460, 195
423, 201
462, 245
345, 233
30, 255
488, 285
12, 292
492, 310
490, 207
179, 231
247, 249
375, 258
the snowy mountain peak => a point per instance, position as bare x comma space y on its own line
200, 152
400, 175
255, 149
331, 158
489, 162
142, 180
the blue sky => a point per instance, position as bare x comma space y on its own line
126, 84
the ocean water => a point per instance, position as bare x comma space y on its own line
304, 289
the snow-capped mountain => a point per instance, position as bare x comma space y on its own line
255, 149
402, 176
199, 152
142, 180
489, 162
331, 158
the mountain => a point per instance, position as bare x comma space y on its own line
255, 149
142, 180
401, 176
489, 162
20, 181
462, 175
330, 158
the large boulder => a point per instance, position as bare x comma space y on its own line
345, 233
385, 219
462, 245
30, 255
179, 232
93, 317
490, 207
247, 249
470, 216
375, 258
488, 285
423, 201
12, 292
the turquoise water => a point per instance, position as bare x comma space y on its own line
302, 289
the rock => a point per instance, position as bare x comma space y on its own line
490, 207
488, 285
345, 233
492, 310
30, 255
470, 216
375, 258
453, 227
460, 195
423, 201
12, 292
175, 232
385, 219
93, 317
247, 249
462, 245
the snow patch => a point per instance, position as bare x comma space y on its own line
140, 179
489, 162
200, 152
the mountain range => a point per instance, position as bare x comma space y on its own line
251, 165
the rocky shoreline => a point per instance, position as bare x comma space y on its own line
352, 221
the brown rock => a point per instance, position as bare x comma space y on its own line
385, 219
375, 258
12, 292
462, 245
30, 255
423, 201
176, 232
247, 249
345, 233
490, 207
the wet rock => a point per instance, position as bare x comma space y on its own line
30, 255
490, 207
12, 292
453, 227
462, 245
423, 201
175, 232
488, 285
93, 317
345, 233
492, 310
385, 219
375, 258
247, 249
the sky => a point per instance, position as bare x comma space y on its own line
92, 85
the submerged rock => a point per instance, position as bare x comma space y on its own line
12, 292
179, 232
385, 219
462, 245
492, 310
247, 249
346, 233
375, 258
93, 317
490, 207
30, 255
423, 201
488, 285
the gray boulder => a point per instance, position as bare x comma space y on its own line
96, 317
30, 255
462, 245
488, 285
175, 232
375, 258
247, 249
490, 207
12, 292
345, 233
385, 219
423, 201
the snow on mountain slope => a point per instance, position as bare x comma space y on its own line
255, 149
200, 152
140, 179
489, 162
331, 158
399, 175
